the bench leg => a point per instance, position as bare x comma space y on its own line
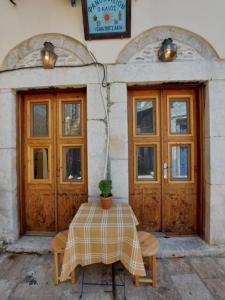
154, 271
136, 280
73, 276
56, 268
152, 279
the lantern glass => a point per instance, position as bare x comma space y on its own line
48, 56
167, 51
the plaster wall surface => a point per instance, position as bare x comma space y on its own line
128, 64
30, 18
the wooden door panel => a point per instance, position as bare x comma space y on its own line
71, 137
68, 204
136, 204
179, 193
39, 164
40, 210
152, 209
144, 170
146, 204
180, 211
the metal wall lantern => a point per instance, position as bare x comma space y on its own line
167, 51
48, 56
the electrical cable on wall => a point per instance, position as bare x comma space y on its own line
105, 108
102, 82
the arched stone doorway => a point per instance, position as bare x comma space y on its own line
27, 53
144, 47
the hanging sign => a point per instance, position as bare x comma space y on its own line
106, 19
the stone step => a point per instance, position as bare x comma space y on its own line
31, 244
169, 246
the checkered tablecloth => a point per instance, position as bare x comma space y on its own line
99, 235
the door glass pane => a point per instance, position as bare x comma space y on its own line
71, 119
39, 123
72, 164
146, 163
179, 116
145, 118
180, 167
40, 159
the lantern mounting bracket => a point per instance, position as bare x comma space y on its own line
73, 2
13, 2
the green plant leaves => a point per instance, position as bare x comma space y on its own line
105, 187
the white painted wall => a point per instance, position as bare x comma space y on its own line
31, 17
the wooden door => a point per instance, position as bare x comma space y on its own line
54, 160
163, 162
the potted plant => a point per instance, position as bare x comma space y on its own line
105, 187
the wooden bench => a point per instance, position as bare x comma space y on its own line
149, 248
58, 248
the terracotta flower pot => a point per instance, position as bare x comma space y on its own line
106, 201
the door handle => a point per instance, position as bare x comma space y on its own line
58, 171
165, 170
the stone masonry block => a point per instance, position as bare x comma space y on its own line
119, 175
207, 112
96, 137
207, 212
9, 228
118, 92
207, 160
217, 161
150, 73
8, 118
96, 154
61, 78
95, 174
217, 212
8, 175
118, 131
95, 107
215, 108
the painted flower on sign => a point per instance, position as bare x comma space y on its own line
106, 17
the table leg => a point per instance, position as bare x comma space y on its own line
113, 282
82, 285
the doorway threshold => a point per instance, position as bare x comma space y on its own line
187, 246
169, 246
31, 244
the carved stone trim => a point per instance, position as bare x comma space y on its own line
145, 46
27, 53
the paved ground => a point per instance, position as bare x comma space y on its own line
28, 277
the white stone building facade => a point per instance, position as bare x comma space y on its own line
128, 62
